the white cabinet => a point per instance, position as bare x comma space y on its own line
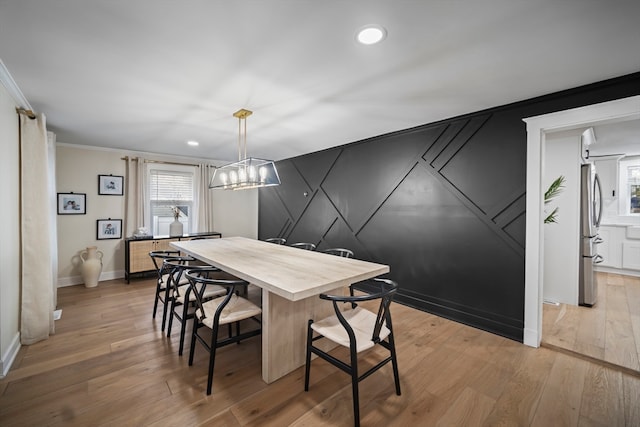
617, 249
608, 173
611, 247
631, 255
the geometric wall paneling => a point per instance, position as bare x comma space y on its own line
273, 217
292, 190
441, 252
512, 212
314, 222
516, 229
443, 204
492, 163
365, 173
340, 235
471, 126
315, 168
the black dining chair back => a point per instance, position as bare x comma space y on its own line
158, 258
307, 246
359, 330
345, 253
180, 296
276, 240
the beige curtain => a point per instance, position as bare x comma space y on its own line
135, 196
36, 232
53, 201
204, 213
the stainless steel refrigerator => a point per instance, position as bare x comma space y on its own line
590, 215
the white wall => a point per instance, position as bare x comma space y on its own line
77, 171
235, 212
10, 219
562, 240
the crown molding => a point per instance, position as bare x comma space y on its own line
12, 88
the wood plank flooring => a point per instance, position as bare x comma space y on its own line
109, 365
608, 332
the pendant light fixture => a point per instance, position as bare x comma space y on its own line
247, 172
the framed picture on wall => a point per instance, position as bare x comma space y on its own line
72, 203
109, 229
110, 185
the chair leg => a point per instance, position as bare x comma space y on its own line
394, 362
164, 309
171, 314
308, 359
192, 347
354, 388
155, 303
183, 327
212, 360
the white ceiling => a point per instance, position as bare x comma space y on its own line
148, 75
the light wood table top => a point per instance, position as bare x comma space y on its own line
291, 273
291, 280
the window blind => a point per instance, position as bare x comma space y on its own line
167, 189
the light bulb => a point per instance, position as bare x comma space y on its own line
234, 177
263, 173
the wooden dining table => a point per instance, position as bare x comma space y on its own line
291, 280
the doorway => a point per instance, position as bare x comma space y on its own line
537, 128
608, 332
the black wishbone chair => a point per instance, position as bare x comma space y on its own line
345, 253
307, 246
211, 315
357, 329
181, 297
158, 258
276, 240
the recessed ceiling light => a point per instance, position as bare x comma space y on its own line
193, 143
371, 34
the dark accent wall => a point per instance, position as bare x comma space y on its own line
443, 204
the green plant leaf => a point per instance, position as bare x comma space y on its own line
554, 189
552, 217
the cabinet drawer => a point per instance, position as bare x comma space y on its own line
631, 256
139, 259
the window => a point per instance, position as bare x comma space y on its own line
633, 179
630, 186
170, 186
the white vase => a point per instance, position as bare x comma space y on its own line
91, 266
175, 228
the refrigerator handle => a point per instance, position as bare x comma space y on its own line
598, 188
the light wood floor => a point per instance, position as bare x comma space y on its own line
109, 365
609, 331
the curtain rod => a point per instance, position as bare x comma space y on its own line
28, 113
162, 162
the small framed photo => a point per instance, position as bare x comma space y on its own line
72, 203
110, 185
109, 229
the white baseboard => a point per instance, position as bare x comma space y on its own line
530, 338
634, 273
77, 280
10, 355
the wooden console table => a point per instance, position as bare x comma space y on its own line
136, 252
